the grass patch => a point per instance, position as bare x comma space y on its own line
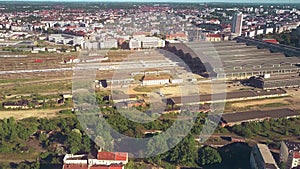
17, 157
229, 106
69, 111
145, 89
58, 87
276, 104
12, 80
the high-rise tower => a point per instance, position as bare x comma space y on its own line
237, 24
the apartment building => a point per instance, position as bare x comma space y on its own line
290, 154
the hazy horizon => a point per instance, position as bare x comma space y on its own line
167, 1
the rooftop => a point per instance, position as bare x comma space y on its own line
279, 77
266, 154
258, 114
75, 166
236, 58
117, 156
222, 96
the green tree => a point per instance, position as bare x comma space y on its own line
86, 143
185, 152
25, 130
73, 141
35, 165
23, 166
99, 141
130, 164
282, 165
155, 145
266, 125
208, 156
9, 127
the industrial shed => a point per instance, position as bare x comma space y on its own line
236, 118
225, 97
238, 61
275, 82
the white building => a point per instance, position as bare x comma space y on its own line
116, 160
152, 42
108, 44
176, 81
66, 39
269, 30
39, 49
146, 42
251, 34
155, 80
91, 45
51, 49
135, 44
260, 32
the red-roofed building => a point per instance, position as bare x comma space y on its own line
80, 33
99, 167
116, 167
38, 61
271, 41
107, 167
296, 155
71, 27
117, 156
75, 166
105, 160
178, 36
213, 37
141, 34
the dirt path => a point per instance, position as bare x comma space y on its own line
37, 81
21, 114
260, 102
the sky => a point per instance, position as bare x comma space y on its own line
200, 1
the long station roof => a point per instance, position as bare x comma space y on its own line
233, 57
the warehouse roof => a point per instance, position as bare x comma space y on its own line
237, 58
257, 114
278, 81
222, 96
279, 77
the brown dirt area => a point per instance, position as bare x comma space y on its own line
260, 102
22, 114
